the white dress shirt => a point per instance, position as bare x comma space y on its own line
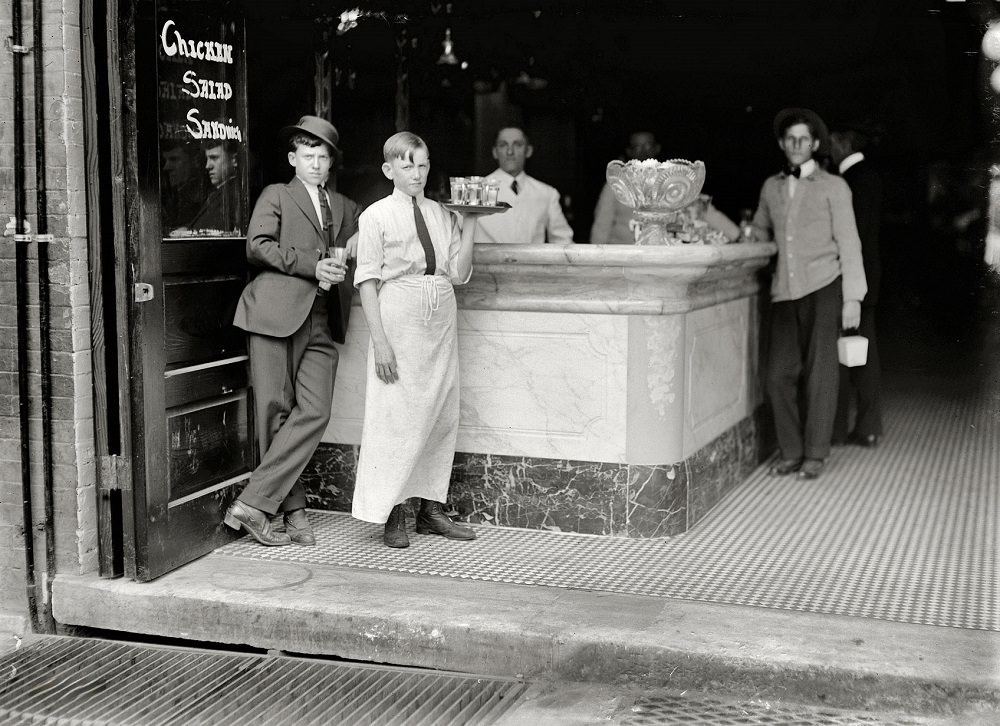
534, 214
389, 246
611, 220
314, 192
805, 170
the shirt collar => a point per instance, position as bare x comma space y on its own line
311, 188
504, 176
401, 196
807, 168
850, 160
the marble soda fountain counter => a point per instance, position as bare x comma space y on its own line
606, 389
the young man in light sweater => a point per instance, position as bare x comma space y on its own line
817, 289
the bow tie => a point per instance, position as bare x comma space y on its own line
792, 171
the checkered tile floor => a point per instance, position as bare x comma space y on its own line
906, 532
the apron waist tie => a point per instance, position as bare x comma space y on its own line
430, 297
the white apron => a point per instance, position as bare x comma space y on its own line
410, 426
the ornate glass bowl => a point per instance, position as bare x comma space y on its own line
653, 185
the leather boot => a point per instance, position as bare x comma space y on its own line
298, 528
395, 529
432, 520
242, 516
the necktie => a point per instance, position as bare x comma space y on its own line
514, 187
425, 238
325, 213
792, 171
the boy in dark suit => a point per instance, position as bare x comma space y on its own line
292, 324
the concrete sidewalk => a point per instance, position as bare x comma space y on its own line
549, 634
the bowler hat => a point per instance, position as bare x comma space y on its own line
818, 127
315, 126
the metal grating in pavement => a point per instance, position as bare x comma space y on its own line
87, 682
906, 532
657, 710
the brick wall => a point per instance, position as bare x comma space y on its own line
12, 595
74, 471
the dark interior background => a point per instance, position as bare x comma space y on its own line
706, 76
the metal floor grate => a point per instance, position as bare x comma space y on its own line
84, 682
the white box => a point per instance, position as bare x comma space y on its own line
852, 350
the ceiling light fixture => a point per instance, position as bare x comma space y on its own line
448, 57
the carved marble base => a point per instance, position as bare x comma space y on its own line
624, 500
605, 389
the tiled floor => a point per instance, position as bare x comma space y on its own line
906, 532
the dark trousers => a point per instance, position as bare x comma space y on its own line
803, 371
861, 384
293, 388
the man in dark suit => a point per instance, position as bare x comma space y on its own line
293, 323
861, 383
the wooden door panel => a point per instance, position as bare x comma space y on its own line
224, 377
190, 529
199, 319
194, 450
208, 443
205, 257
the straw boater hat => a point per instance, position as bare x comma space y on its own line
811, 116
315, 126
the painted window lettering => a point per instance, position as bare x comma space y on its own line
202, 88
176, 44
211, 129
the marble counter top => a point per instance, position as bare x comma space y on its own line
612, 279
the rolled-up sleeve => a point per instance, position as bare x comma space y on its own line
454, 247
370, 249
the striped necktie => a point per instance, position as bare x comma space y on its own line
327, 215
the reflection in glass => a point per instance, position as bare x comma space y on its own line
182, 182
209, 442
221, 212
201, 112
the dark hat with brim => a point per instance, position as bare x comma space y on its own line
810, 116
865, 128
315, 126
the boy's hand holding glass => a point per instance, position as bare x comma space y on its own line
331, 268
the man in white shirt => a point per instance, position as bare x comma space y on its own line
535, 216
611, 217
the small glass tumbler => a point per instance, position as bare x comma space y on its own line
334, 253
457, 189
339, 254
491, 192
474, 191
